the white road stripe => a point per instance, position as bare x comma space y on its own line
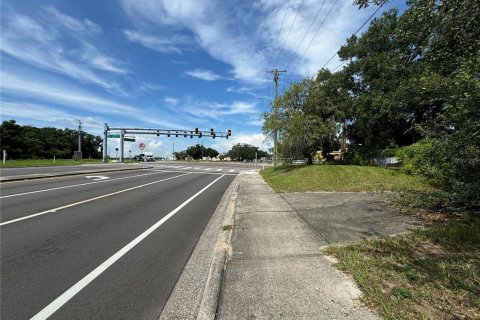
195, 172
87, 200
70, 293
73, 185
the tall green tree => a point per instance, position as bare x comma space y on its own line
27, 142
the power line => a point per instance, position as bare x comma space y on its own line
278, 35
288, 34
316, 33
305, 35
363, 25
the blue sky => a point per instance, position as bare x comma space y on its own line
162, 63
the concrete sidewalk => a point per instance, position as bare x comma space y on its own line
276, 269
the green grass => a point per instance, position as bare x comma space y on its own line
431, 273
46, 162
341, 178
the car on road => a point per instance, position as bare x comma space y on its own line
145, 157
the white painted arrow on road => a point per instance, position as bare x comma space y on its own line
97, 178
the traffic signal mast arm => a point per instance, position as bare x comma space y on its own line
175, 132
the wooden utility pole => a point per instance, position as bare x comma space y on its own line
276, 74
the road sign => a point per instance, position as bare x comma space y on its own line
141, 146
117, 135
129, 139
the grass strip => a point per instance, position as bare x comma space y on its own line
46, 163
302, 178
431, 273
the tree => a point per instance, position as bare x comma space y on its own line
244, 151
195, 152
27, 142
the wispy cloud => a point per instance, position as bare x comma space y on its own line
39, 113
145, 86
42, 45
77, 99
164, 45
244, 35
76, 25
206, 75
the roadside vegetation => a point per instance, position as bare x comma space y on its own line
409, 88
301, 178
46, 163
429, 273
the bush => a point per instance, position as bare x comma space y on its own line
453, 164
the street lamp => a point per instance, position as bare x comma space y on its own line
275, 133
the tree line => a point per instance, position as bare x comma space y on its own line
28, 142
410, 86
239, 152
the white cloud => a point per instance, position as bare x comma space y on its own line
243, 34
171, 101
76, 25
206, 75
164, 45
42, 46
36, 113
74, 98
145, 86
254, 139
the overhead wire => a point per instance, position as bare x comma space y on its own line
288, 34
278, 35
305, 35
316, 33
354, 34
275, 46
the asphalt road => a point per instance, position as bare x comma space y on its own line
111, 246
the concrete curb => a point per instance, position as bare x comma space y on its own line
222, 250
197, 291
65, 174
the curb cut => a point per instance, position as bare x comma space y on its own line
54, 175
222, 251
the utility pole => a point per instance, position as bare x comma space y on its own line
79, 136
276, 74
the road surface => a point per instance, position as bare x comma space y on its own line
102, 246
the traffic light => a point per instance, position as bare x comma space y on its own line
158, 134
213, 136
168, 134
196, 130
229, 133
212, 132
191, 135
199, 134
176, 134
185, 134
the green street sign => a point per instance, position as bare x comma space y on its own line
114, 135
129, 139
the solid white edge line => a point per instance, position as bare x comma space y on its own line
76, 288
87, 200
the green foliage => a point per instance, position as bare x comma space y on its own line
411, 82
27, 142
244, 151
294, 178
430, 273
